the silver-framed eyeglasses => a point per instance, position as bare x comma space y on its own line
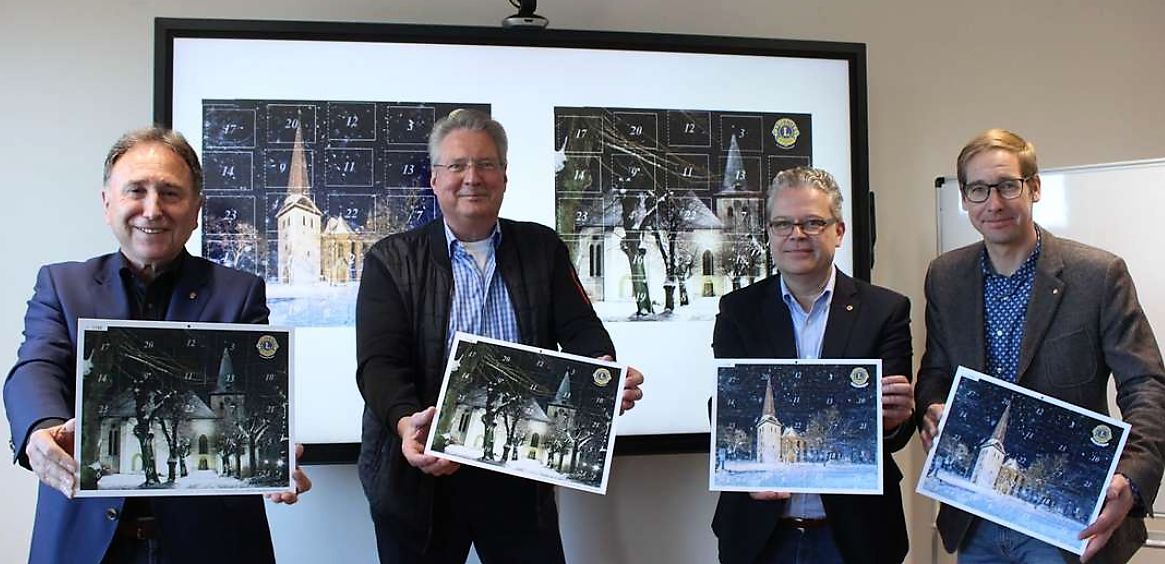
460, 167
812, 226
1008, 189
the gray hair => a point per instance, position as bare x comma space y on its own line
808, 177
466, 119
163, 136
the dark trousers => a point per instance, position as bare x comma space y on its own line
470, 509
131, 551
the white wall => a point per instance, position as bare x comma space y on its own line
1083, 80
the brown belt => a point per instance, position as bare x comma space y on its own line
799, 523
144, 528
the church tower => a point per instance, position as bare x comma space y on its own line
561, 411
227, 398
768, 430
992, 453
298, 223
734, 173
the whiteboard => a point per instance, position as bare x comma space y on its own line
1111, 206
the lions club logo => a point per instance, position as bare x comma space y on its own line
267, 346
785, 133
1101, 435
859, 377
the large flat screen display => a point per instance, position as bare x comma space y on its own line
649, 154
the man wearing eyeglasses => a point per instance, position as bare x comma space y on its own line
813, 310
468, 271
1052, 315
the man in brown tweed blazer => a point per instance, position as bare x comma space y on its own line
1052, 315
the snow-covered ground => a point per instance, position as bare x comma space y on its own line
312, 305
1008, 511
801, 476
522, 467
201, 479
700, 309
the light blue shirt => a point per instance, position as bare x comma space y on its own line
809, 330
481, 302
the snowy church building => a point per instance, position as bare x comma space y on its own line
776, 444
200, 425
993, 468
534, 432
719, 244
311, 249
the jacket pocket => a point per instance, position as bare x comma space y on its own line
1070, 360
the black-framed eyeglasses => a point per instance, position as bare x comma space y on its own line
814, 226
1008, 189
459, 167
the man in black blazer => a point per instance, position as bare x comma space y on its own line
1052, 315
812, 310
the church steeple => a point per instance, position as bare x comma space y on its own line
1001, 426
298, 182
769, 410
226, 374
563, 395
733, 169
1000, 431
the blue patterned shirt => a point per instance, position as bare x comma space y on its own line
1005, 300
481, 302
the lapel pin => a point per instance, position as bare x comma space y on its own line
1055, 291
849, 307
193, 295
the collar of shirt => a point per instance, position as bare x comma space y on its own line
124, 267
149, 300
825, 296
1025, 270
454, 243
809, 326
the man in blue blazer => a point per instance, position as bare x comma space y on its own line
813, 310
152, 198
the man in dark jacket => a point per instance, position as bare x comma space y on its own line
1052, 315
813, 310
152, 199
467, 272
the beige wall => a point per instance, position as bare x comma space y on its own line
1084, 80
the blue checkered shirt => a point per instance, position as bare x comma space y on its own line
481, 302
1005, 300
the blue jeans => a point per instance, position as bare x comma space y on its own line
790, 545
990, 543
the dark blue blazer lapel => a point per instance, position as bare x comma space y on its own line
776, 323
843, 312
191, 291
107, 293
